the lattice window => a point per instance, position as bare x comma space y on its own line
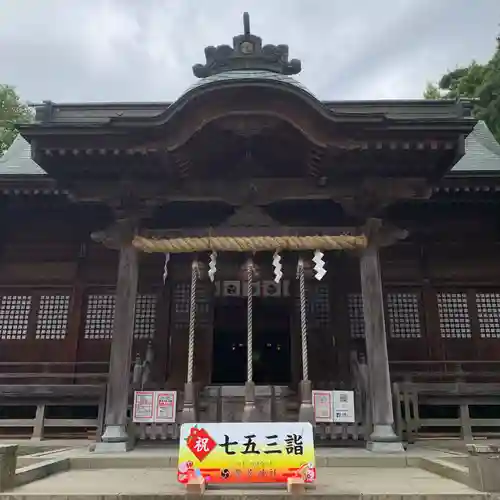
403, 313
145, 316
52, 319
181, 296
14, 316
320, 305
356, 317
488, 314
100, 316
204, 300
454, 320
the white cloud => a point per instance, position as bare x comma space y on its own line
143, 50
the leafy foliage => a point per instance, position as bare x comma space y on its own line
480, 82
12, 112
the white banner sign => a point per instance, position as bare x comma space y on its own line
323, 406
154, 406
343, 407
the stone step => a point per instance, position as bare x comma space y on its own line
347, 483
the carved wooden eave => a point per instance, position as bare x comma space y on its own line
345, 144
263, 190
249, 216
466, 188
33, 185
330, 149
322, 126
374, 195
160, 143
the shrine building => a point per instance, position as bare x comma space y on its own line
246, 245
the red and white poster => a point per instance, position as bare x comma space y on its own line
165, 406
143, 406
323, 406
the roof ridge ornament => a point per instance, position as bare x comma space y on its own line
247, 53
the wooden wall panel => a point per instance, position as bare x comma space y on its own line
40, 253
461, 263
400, 263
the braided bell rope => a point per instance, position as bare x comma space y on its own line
249, 320
249, 243
192, 319
303, 319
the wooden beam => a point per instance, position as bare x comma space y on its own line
248, 231
262, 191
16, 392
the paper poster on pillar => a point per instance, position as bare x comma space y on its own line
242, 453
143, 410
155, 407
323, 406
343, 407
165, 407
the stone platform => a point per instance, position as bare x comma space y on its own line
150, 472
333, 483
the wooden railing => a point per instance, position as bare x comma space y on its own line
416, 384
445, 370
462, 387
39, 387
53, 373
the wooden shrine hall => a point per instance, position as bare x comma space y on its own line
246, 245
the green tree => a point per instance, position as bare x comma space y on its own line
12, 111
480, 82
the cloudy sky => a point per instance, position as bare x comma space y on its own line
143, 50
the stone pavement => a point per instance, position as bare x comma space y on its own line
150, 472
333, 482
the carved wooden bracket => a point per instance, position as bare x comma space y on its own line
118, 235
382, 234
374, 195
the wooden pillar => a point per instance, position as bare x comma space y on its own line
115, 437
383, 437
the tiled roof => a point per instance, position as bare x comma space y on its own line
248, 75
482, 152
17, 159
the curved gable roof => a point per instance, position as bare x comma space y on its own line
482, 155
243, 75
